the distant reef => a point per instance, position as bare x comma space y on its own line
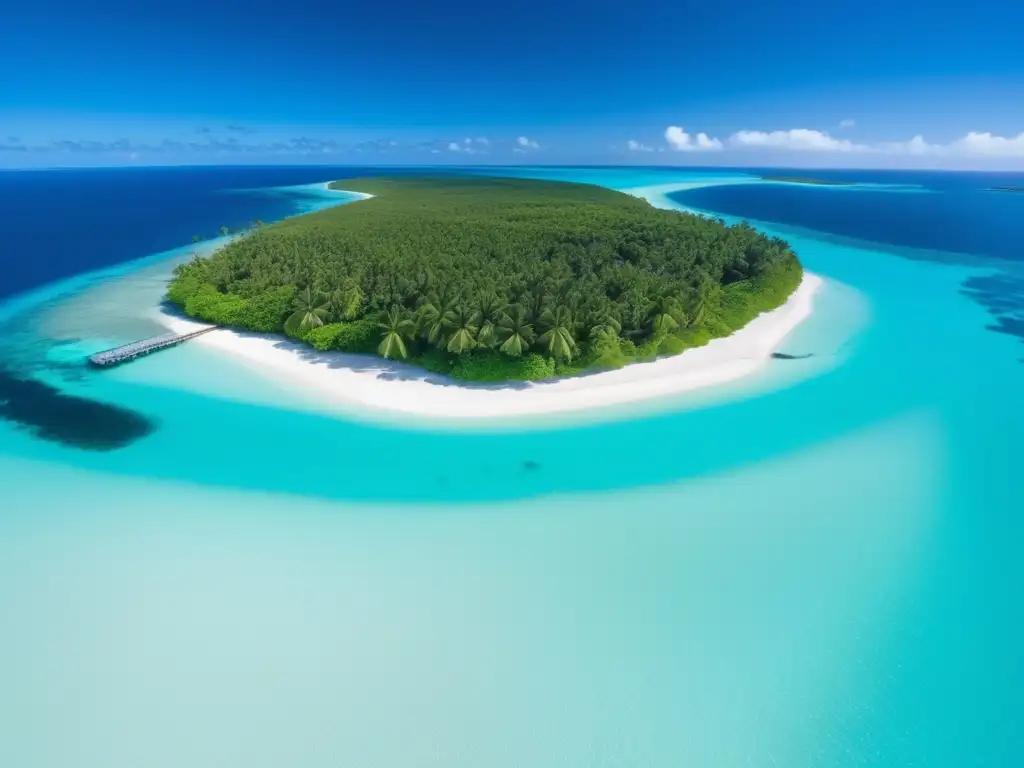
809, 180
1018, 190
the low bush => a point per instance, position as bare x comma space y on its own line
360, 336
494, 366
325, 337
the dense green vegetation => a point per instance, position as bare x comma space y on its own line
493, 279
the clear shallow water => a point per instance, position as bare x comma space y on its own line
820, 575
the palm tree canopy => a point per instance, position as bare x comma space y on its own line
396, 320
557, 339
346, 299
667, 315
392, 346
310, 311
396, 327
704, 304
462, 337
602, 325
514, 332
436, 317
490, 309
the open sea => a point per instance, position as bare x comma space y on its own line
818, 567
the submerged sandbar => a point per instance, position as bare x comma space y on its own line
809, 180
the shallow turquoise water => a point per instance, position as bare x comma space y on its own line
818, 571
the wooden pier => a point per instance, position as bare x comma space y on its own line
123, 354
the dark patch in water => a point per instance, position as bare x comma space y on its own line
1002, 295
67, 419
1012, 326
531, 465
784, 356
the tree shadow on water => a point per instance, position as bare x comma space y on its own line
70, 420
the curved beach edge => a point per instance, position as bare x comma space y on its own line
371, 386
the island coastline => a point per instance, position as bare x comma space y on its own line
371, 386
488, 280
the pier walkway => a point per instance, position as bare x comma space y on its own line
123, 354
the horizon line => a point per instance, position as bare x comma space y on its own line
456, 166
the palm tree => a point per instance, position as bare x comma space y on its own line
600, 321
704, 303
310, 311
603, 326
489, 311
666, 316
426, 280
536, 302
558, 339
436, 317
464, 330
396, 327
514, 332
345, 300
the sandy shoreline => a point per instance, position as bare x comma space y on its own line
368, 385
359, 383
658, 194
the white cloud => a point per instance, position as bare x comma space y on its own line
972, 149
847, 123
975, 143
524, 143
468, 145
915, 146
803, 139
635, 146
681, 141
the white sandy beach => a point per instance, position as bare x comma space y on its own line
658, 194
360, 383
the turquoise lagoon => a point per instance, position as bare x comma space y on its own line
816, 567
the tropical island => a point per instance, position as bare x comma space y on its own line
487, 279
809, 180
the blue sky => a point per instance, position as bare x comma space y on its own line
872, 84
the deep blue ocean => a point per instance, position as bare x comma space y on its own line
952, 212
54, 224
70, 221
204, 566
